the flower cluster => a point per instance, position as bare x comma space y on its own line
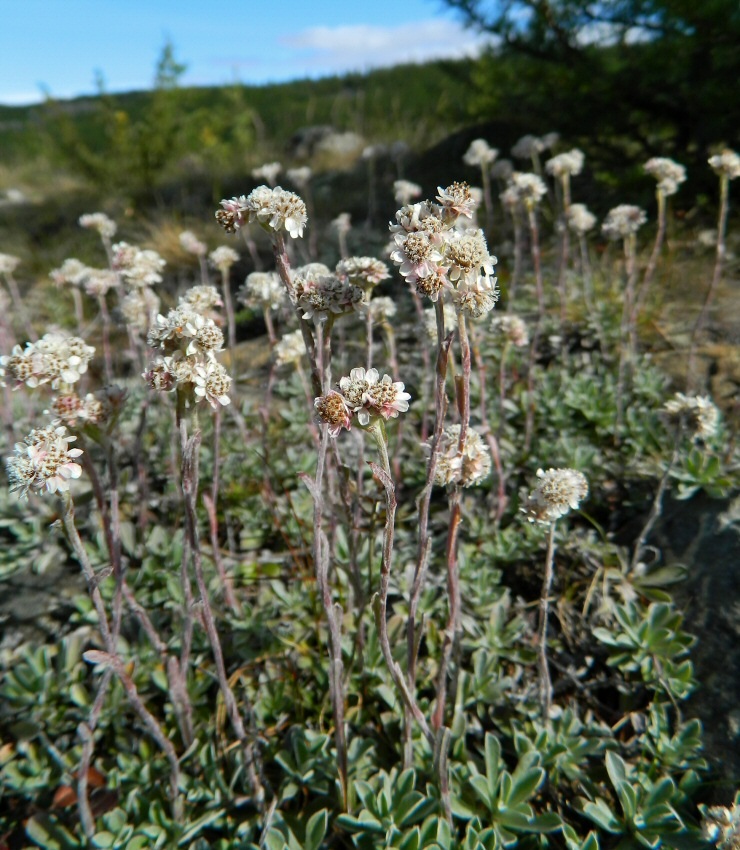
480, 153
511, 328
697, 413
365, 272
289, 349
363, 395
54, 359
623, 221
569, 163
8, 263
580, 219
557, 492
433, 255
726, 164
525, 188
223, 258
100, 222
189, 340
321, 294
274, 209
44, 461
404, 191
667, 172
138, 267
71, 409
263, 291
189, 242
529, 146
72, 272
466, 465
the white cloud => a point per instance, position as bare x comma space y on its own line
356, 48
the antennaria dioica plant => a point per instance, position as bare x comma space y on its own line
323, 620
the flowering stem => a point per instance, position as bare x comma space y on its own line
627, 336
517, 272
657, 506
564, 249
230, 318
716, 276
190, 456
369, 338
653, 261
105, 316
545, 683
536, 260
20, 307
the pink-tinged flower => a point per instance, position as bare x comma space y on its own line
456, 200
355, 388
387, 398
332, 410
234, 213
416, 255
44, 461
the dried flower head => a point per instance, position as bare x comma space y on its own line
623, 221
466, 466
105, 226
477, 298
557, 492
667, 172
332, 410
323, 294
726, 164
696, 413
44, 461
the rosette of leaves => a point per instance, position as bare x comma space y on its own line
649, 641
506, 798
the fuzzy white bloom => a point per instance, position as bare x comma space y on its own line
190, 243
580, 219
99, 282
467, 256
72, 272
105, 226
262, 290
697, 413
527, 146
44, 461
138, 267
382, 309
467, 467
269, 171
342, 223
8, 263
511, 328
530, 188
139, 308
570, 163
223, 258
558, 491
502, 169
726, 164
299, 176
404, 191
623, 221
667, 172
366, 272
55, 358
289, 349
480, 153
202, 298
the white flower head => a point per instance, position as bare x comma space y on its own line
726, 164
269, 171
290, 349
558, 491
623, 221
468, 465
530, 188
8, 263
100, 222
299, 176
667, 172
223, 258
404, 191
190, 243
262, 290
580, 219
366, 272
44, 461
323, 294
277, 209
569, 163
697, 413
212, 383
511, 328
72, 272
480, 153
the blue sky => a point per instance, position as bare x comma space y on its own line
59, 45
